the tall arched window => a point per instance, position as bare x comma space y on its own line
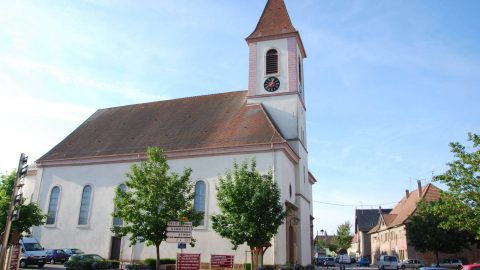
85, 205
299, 70
52, 205
116, 220
271, 62
199, 201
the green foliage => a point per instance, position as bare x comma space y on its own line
151, 262
425, 234
153, 198
343, 235
461, 201
251, 211
91, 264
136, 267
30, 214
247, 266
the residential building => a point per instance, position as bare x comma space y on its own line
389, 235
75, 181
365, 220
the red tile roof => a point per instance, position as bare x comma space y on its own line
408, 205
211, 121
274, 21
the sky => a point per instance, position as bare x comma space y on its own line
388, 84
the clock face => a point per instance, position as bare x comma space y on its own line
271, 84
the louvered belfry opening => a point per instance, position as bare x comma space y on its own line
272, 61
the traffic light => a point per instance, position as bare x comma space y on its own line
22, 166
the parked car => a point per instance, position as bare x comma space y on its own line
72, 251
32, 253
86, 257
412, 263
363, 262
329, 261
319, 261
452, 263
56, 255
433, 268
475, 266
387, 262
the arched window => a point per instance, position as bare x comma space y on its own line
271, 62
85, 205
116, 220
199, 200
52, 205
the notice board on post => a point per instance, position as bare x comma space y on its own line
221, 261
188, 261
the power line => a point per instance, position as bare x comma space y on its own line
355, 205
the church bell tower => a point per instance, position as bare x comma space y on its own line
276, 55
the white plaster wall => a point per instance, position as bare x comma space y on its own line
281, 45
283, 111
96, 236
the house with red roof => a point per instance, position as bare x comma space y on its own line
75, 182
389, 235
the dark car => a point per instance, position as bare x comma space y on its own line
86, 257
363, 262
329, 261
72, 251
56, 255
319, 261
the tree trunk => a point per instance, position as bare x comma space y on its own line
157, 264
436, 258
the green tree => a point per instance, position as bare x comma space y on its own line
153, 197
343, 235
251, 211
30, 214
425, 234
462, 200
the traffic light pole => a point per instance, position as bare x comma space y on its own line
21, 172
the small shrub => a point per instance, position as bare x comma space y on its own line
136, 267
247, 266
151, 262
309, 267
268, 267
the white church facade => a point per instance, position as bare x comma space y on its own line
74, 183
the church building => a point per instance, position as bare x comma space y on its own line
74, 183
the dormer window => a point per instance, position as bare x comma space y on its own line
272, 62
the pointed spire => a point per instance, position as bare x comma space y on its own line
274, 21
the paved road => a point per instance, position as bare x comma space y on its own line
351, 267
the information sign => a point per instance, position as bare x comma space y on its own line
179, 234
221, 261
178, 240
178, 223
182, 245
186, 261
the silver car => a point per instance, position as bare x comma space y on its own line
411, 263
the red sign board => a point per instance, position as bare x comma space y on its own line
14, 257
221, 261
186, 261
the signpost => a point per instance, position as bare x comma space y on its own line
186, 261
221, 261
179, 232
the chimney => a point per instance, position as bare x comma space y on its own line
407, 193
419, 183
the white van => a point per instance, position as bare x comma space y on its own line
387, 262
32, 253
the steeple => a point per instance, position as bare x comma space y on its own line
275, 23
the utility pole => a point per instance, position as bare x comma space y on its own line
15, 202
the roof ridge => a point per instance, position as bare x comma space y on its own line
173, 99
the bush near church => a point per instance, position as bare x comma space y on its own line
91, 265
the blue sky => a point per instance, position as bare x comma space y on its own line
388, 83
